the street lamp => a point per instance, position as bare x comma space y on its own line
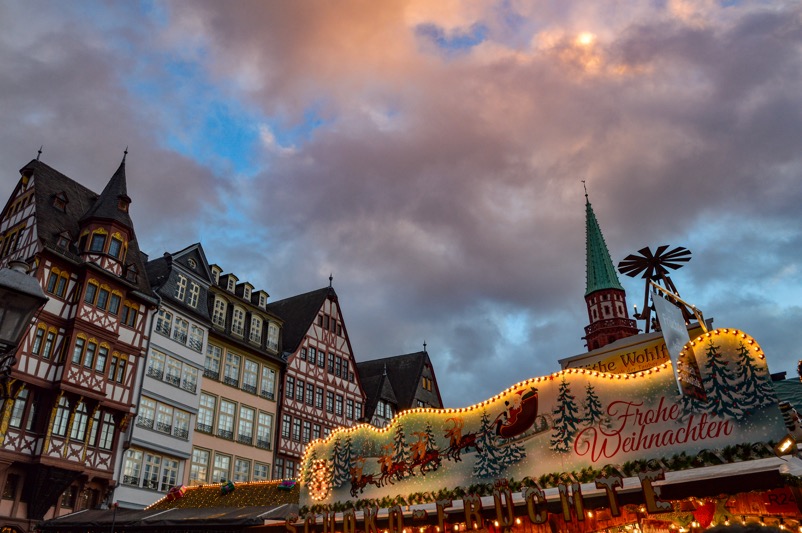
20, 298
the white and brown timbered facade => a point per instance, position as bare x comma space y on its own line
74, 383
321, 389
234, 436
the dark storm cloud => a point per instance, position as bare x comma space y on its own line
442, 190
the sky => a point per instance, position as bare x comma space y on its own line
430, 155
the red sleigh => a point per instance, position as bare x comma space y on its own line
518, 421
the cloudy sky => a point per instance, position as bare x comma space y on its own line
431, 155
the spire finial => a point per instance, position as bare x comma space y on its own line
39, 153
424, 345
331, 279
125, 153
584, 186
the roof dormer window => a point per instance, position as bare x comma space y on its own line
262, 300
231, 284
246, 292
60, 202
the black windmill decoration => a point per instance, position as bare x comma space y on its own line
654, 267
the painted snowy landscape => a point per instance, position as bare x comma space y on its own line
573, 419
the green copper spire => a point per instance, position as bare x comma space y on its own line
600, 269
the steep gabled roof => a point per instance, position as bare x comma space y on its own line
52, 222
298, 314
600, 270
403, 371
377, 388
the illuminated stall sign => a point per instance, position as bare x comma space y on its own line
570, 420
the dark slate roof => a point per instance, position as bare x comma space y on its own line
52, 222
163, 283
789, 390
376, 388
298, 314
107, 204
403, 371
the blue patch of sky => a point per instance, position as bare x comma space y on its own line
455, 41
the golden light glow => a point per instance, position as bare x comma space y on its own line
585, 39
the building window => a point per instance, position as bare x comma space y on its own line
211, 366
78, 429
286, 424
289, 388
321, 359
180, 331
169, 474
80, 344
329, 401
250, 374
242, 470
164, 418
18, 411
222, 468
349, 408
319, 397
279, 470
310, 394
98, 242
114, 302
339, 406
272, 336
91, 292
261, 472
151, 471
196, 338
102, 297
107, 432
89, 354
164, 322
194, 294
156, 365
289, 469
315, 431
128, 317
102, 355
147, 413
225, 419
255, 335
245, 425
262, 299
117, 367
427, 383
115, 247
231, 371
37, 341
189, 378
181, 288
246, 292
238, 322
307, 432
338, 369
331, 363
268, 384
199, 468
219, 313
231, 284
181, 424
173, 376
296, 429
206, 408
62, 417
299, 391
132, 466
69, 496
358, 410
264, 430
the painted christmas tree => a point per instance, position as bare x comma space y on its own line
343, 462
307, 467
594, 412
400, 447
566, 419
510, 453
718, 381
430, 444
489, 462
689, 405
755, 383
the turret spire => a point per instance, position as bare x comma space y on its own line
604, 295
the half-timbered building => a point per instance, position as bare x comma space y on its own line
398, 383
159, 443
321, 387
74, 384
237, 410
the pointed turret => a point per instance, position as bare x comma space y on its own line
604, 294
106, 228
113, 202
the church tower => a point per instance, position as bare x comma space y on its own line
604, 295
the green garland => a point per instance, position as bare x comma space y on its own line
682, 461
